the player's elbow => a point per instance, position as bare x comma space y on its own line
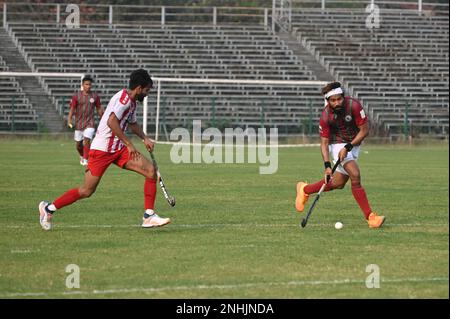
366, 132
324, 142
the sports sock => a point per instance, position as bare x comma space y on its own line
67, 198
361, 198
86, 149
149, 193
314, 188
50, 208
148, 213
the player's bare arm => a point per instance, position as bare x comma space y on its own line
100, 110
114, 125
69, 118
324, 143
362, 134
137, 130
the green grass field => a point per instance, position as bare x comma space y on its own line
234, 233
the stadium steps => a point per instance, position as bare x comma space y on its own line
30, 85
405, 60
303, 55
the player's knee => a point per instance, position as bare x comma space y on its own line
339, 186
151, 172
356, 183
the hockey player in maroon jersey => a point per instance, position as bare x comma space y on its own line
82, 106
343, 126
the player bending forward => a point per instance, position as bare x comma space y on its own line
111, 145
343, 126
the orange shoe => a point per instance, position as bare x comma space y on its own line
301, 198
375, 221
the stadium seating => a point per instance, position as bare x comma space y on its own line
110, 53
399, 71
400, 68
16, 111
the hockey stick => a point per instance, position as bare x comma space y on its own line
305, 220
170, 199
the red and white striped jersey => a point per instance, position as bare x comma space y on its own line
124, 109
83, 105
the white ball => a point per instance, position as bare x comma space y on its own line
338, 225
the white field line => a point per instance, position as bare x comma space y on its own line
331, 224
24, 251
231, 286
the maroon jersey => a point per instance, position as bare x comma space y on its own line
342, 127
84, 106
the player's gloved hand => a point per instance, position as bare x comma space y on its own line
69, 123
327, 175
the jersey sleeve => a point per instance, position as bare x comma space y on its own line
119, 108
324, 129
74, 101
97, 102
359, 114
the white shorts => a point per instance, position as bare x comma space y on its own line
351, 156
87, 133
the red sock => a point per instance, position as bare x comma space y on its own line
315, 188
149, 193
86, 151
67, 198
361, 198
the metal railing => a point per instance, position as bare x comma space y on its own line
133, 14
138, 14
414, 5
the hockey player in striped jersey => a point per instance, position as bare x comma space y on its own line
112, 146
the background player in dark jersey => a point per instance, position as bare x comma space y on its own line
343, 126
82, 106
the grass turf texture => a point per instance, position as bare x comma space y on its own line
234, 233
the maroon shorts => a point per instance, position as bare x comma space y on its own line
99, 160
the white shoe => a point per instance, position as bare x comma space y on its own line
154, 221
45, 219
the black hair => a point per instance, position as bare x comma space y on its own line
87, 78
331, 86
139, 77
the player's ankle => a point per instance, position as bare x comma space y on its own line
50, 209
148, 213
